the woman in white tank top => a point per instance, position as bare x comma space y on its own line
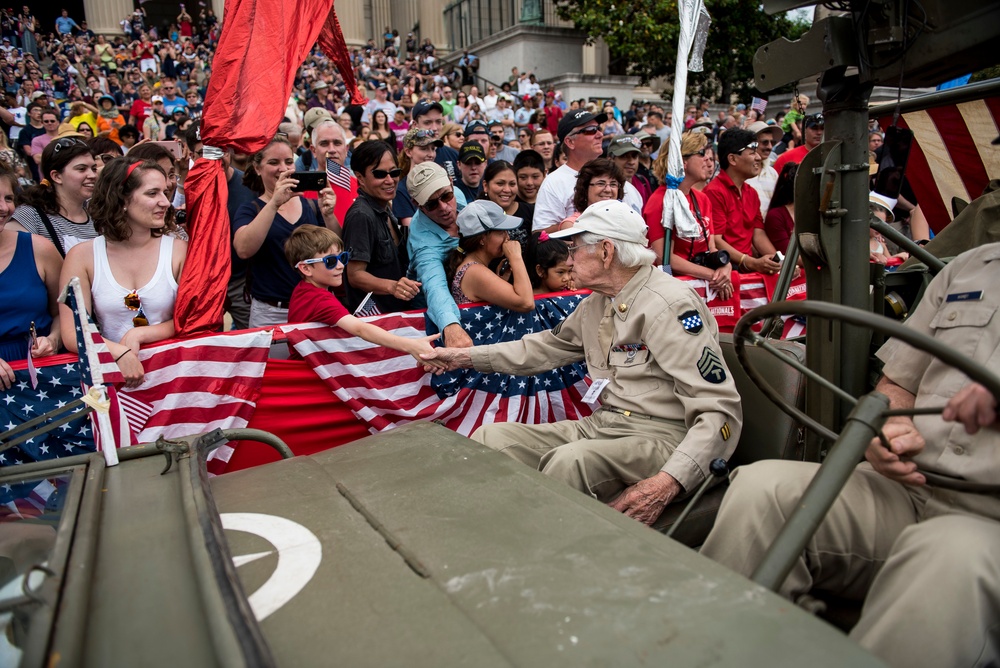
128, 274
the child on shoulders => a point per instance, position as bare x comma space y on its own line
317, 254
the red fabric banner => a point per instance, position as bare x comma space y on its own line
261, 47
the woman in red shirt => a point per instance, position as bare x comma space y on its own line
697, 168
142, 107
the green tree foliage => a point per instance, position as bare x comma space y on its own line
642, 35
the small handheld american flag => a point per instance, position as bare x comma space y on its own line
367, 307
337, 175
759, 105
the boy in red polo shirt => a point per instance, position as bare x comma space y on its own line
316, 254
739, 227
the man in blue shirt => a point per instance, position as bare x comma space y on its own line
433, 234
171, 100
65, 25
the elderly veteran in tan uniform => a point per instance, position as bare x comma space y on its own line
668, 404
925, 560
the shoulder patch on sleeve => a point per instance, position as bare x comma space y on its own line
691, 322
711, 367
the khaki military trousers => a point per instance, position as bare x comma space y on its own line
930, 578
601, 454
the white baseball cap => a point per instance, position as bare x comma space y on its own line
482, 215
611, 219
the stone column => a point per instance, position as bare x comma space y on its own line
351, 14
103, 15
431, 17
381, 17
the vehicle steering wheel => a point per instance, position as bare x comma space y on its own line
743, 334
868, 415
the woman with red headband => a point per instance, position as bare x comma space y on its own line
129, 273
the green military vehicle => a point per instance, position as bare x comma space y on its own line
419, 547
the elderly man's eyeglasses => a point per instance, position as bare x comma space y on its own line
432, 204
574, 249
331, 261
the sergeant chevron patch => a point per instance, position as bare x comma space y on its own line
710, 366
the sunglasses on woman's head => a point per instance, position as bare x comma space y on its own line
381, 173
700, 153
133, 303
67, 142
432, 204
331, 261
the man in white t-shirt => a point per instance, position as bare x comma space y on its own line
580, 133
763, 183
381, 101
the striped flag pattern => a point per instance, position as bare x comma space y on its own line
337, 175
759, 105
752, 290
951, 154
30, 500
386, 388
196, 385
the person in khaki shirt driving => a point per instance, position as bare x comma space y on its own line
668, 405
925, 560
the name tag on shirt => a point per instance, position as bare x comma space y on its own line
595, 390
974, 296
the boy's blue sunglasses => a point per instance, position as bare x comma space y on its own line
331, 261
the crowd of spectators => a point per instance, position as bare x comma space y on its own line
432, 140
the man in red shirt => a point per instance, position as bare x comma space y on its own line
739, 227
553, 114
814, 137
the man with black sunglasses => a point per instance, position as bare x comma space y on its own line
379, 258
739, 226
433, 234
